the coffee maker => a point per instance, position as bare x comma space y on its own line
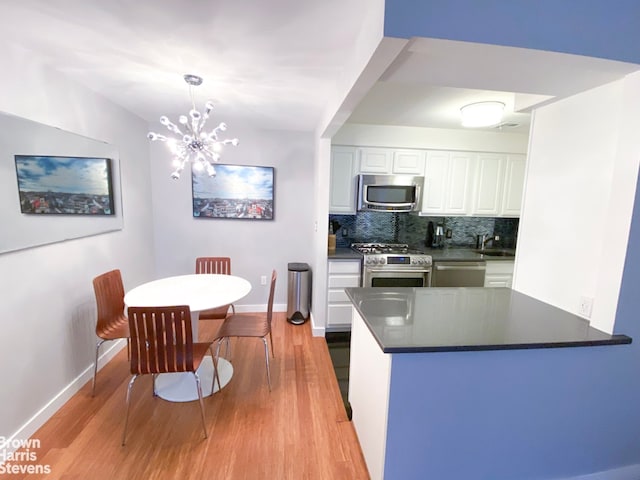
438, 237
435, 235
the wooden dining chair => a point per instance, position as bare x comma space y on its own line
251, 325
112, 323
219, 265
162, 342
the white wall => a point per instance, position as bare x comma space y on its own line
581, 181
431, 138
48, 304
255, 246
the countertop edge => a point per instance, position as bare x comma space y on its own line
616, 340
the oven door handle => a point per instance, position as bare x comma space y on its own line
386, 270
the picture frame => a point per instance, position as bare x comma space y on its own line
61, 185
243, 192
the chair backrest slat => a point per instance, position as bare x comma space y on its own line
274, 276
109, 292
161, 339
220, 265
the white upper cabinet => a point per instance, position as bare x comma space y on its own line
342, 195
385, 161
448, 183
410, 162
513, 186
375, 160
455, 183
489, 184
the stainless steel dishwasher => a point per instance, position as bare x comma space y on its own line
458, 274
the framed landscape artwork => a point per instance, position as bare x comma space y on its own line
236, 191
53, 185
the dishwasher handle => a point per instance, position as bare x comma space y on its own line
466, 266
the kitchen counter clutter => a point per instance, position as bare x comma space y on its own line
405, 320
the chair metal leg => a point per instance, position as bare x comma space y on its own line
204, 423
266, 356
126, 418
215, 372
95, 367
153, 380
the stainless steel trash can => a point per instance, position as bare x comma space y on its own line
298, 293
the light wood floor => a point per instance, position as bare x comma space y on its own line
298, 431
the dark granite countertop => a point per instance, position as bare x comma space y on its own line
343, 254
408, 320
437, 254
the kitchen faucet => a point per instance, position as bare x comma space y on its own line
484, 239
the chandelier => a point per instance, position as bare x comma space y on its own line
191, 143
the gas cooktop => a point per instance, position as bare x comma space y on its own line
384, 248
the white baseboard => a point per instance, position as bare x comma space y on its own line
277, 307
316, 330
630, 472
26, 431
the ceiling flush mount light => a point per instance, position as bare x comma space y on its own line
482, 114
191, 142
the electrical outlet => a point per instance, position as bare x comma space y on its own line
585, 306
263, 280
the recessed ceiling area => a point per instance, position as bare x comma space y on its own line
431, 79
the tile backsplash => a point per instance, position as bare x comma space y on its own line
412, 229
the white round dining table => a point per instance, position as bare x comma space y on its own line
199, 292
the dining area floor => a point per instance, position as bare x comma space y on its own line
299, 430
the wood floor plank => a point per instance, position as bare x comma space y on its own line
299, 430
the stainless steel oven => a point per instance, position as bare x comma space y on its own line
387, 277
393, 265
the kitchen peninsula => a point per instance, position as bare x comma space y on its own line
475, 383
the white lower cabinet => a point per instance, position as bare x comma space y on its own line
341, 274
498, 274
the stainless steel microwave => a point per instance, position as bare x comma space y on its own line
389, 193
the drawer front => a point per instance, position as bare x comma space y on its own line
501, 267
338, 296
339, 315
344, 267
495, 281
344, 281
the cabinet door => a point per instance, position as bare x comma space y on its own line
408, 162
435, 182
513, 186
460, 183
342, 195
375, 160
490, 177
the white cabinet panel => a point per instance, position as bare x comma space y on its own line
342, 194
341, 274
339, 315
513, 186
489, 184
461, 168
499, 274
409, 162
435, 182
448, 183
375, 160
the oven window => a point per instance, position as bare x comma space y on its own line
391, 194
397, 282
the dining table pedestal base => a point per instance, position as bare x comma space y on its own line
181, 387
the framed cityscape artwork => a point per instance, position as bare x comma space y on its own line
53, 185
235, 191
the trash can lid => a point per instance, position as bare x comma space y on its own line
298, 267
